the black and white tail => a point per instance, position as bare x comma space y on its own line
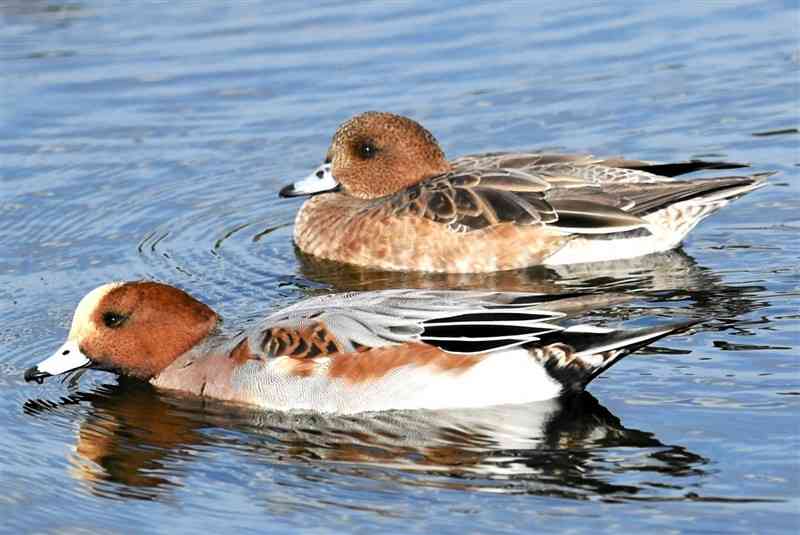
571, 355
578, 354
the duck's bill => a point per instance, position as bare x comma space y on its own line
67, 358
320, 181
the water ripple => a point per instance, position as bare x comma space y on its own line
150, 140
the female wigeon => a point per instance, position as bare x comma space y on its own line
387, 198
345, 353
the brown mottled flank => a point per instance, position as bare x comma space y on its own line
173, 323
377, 362
338, 227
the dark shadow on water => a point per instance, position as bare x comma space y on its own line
137, 442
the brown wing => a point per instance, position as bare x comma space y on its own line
575, 193
309, 341
645, 200
480, 198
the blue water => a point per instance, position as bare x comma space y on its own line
149, 139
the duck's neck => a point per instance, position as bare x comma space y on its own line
204, 370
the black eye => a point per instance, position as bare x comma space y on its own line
367, 150
113, 319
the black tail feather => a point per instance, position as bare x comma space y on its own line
682, 168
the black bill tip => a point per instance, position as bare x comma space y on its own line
288, 191
34, 374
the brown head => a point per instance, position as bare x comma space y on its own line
375, 154
131, 328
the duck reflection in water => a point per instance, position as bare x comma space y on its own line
671, 276
138, 442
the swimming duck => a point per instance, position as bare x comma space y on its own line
387, 198
346, 353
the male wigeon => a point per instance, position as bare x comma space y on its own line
387, 198
345, 353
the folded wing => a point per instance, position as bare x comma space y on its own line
574, 194
461, 322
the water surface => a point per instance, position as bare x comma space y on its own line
149, 139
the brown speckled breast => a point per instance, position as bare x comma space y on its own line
340, 228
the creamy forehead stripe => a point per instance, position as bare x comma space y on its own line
81, 321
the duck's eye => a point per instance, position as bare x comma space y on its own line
113, 319
367, 150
